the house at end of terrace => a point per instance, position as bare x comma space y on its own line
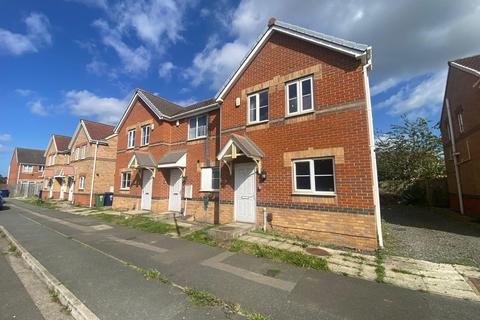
82, 166
289, 134
25, 169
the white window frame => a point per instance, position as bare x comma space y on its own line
131, 138
207, 179
81, 183
27, 168
300, 109
84, 151
145, 135
461, 127
256, 95
77, 153
41, 168
124, 182
197, 136
312, 190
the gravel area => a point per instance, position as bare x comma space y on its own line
432, 234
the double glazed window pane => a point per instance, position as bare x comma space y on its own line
192, 133
202, 126
258, 107
307, 94
315, 175
292, 98
302, 170
253, 108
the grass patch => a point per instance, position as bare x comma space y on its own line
12, 248
54, 295
138, 222
155, 275
201, 236
380, 269
298, 259
257, 316
202, 298
41, 203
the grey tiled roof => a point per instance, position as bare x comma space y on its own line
172, 156
30, 156
145, 159
247, 146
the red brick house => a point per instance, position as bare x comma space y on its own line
288, 139
26, 168
57, 156
460, 128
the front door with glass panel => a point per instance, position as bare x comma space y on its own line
245, 192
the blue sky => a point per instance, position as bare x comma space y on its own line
65, 60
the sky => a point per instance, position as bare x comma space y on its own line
65, 60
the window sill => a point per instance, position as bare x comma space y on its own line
209, 190
300, 113
144, 145
130, 148
195, 139
256, 123
315, 194
124, 189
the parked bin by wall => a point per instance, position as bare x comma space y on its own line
99, 200
4, 193
108, 199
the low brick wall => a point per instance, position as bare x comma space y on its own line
124, 203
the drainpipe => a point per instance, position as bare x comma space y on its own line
93, 173
376, 193
455, 154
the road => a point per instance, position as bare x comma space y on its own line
88, 257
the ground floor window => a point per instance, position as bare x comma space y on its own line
125, 180
210, 179
81, 183
314, 176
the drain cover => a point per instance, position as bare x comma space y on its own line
226, 228
317, 252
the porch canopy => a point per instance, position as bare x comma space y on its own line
142, 160
238, 146
67, 171
49, 173
174, 159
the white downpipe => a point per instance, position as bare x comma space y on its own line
376, 193
454, 155
264, 219
93, 174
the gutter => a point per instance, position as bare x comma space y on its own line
376, 192
93, 174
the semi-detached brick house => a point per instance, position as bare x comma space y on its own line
289, 134
56, 157
92, 162
462, 129
26, 168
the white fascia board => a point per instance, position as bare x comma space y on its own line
225, 148
77, 130
194, 112
131, 160
466, 69
48, 146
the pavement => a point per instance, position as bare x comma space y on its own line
89, 257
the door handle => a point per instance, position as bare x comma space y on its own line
245, 197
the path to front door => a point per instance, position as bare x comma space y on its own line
147, 189
245, 192
175, 198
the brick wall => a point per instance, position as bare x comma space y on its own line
16, 173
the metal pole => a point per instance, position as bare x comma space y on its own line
93, 174
454, 155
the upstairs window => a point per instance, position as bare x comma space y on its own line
197, 127
125, 180
258, 107
460, 122
314, 176
77, 153
145, 135
27, 168
81, 183
210, 179
41, 168
84, 151
131, 139
299, 96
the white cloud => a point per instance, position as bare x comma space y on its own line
103, 4
24, 92
410, 38
86, 104
5, 137
165, 70
423, 98
37, 107
36, 36
4, 149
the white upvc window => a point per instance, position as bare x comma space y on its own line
125, 180
41, 168
145, 135
299, 96
131, 138
314, 176
197, 127
77, 153
461, 128
81, 183
258, 107
54, 159
68, 159
26, 168
210, 179
84, 151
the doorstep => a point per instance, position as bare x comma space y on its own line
230, 231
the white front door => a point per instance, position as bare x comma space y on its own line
50, 193
70, 190
62, 189
147, 182
245, 199
175, 198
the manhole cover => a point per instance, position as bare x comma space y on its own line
317, 252
226, 228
